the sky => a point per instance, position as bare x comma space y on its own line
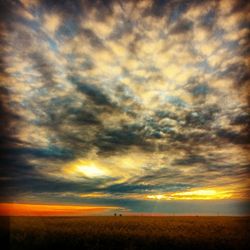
133, 107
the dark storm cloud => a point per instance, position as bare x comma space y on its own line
5, 113
47, 153
81, 116
94, 93
130, 188
190, 160
7, 10
95, 41
158, 8
8, 140
140, 188
68, 7
202, 117
234, 137
42, 65
172, 9
243, 119
122, 138
182, 27
209, 19
78, 9
240, 6
213, 163
239, 72
36, 184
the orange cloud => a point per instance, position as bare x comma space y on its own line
14, 209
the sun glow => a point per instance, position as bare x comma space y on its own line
156, 197
201, 194
85, 168
90, 171
197, 195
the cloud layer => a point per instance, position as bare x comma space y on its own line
124, 100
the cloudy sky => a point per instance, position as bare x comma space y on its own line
128, 106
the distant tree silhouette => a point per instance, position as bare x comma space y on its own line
120, 215
114, 214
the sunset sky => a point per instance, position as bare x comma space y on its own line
124, 106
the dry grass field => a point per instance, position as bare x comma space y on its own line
128, 233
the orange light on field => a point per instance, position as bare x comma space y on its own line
14, 209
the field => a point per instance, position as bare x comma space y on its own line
127, 232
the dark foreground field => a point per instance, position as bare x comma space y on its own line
128, 233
